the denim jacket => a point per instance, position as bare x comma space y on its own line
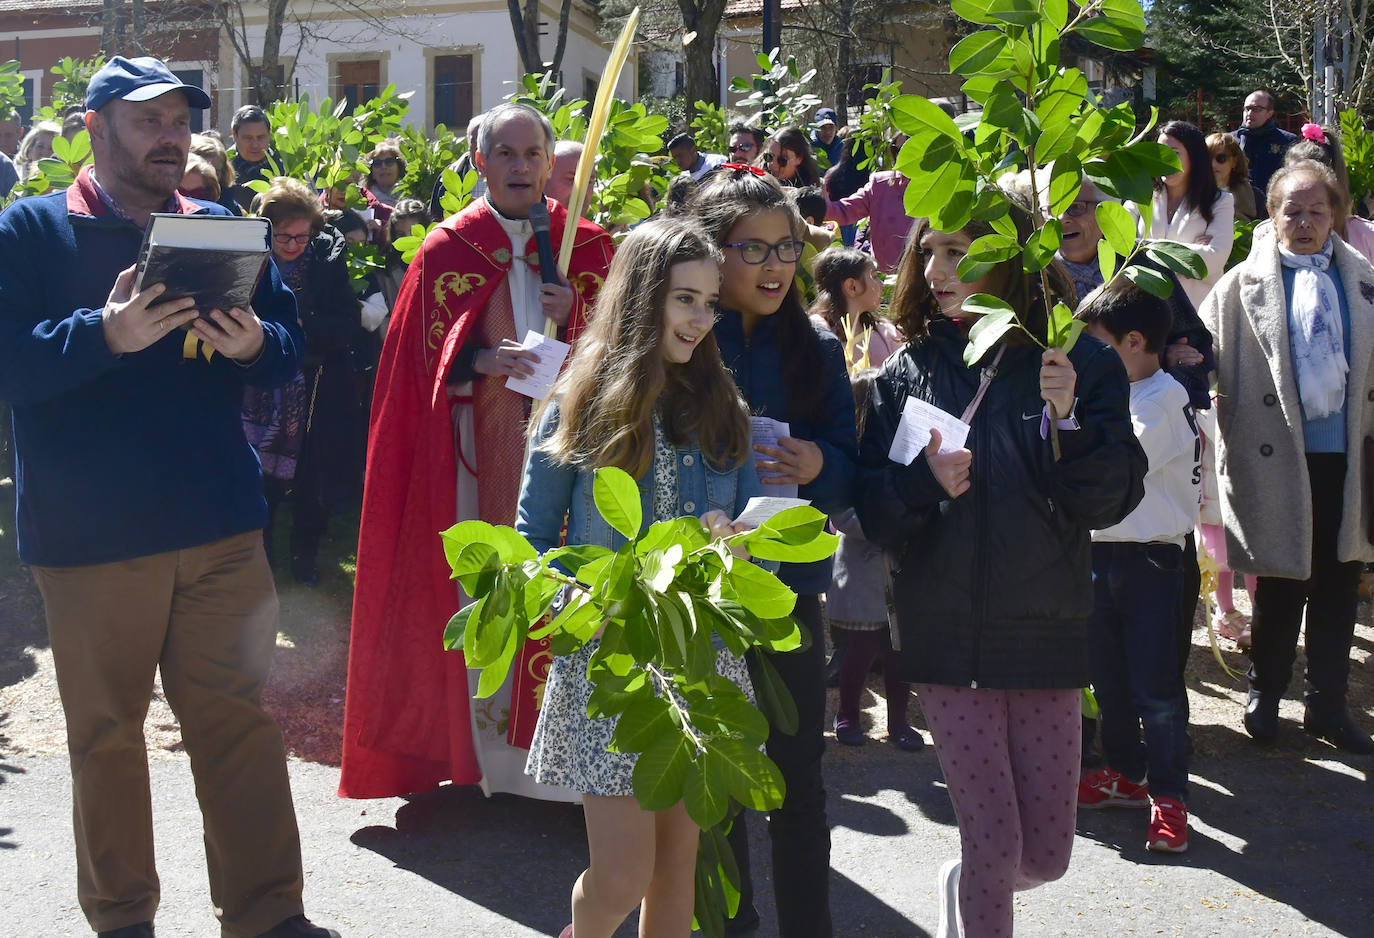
549, 490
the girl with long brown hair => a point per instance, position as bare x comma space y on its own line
646, 391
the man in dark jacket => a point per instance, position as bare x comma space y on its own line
140, 510
253, 157
1262, 140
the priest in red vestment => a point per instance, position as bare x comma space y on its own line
447, 444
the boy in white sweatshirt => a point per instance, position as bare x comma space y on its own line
1137, 581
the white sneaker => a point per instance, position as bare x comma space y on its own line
950, 925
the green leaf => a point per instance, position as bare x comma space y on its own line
985, 304
495, 620
754, 781
573, 557
1110, 34
1057, 328
1070, 338
775, 700
643, 723
660, 774
660, 567
617, 498
475, 568
974, 53
1106, 261
1041, 245
921, 119
1066, 180
1016, 12
975, 11
494, 675
706, 794
701, 653
578, 618
1118, 226
616, 581
987, 332
457, 626
1151, 281
1056, 11
759, 591
732, 716
781, 634
1178, 257
767, 548
539, 594
1064, 94
510, 545
615, 693
675, 627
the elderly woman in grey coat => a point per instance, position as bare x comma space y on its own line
1294, 330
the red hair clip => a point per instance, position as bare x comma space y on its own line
757, 171
1314, 133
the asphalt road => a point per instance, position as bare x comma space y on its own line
1282, 844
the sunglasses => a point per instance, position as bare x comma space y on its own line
1079, 209
385, 161
741, 148
285, 239
756, 252
782, 161
1221, 157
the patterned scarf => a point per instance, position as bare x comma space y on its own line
1314, 329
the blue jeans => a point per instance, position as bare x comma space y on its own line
1133, 650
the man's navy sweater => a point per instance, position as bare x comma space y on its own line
120, 456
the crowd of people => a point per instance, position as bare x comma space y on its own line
738, 343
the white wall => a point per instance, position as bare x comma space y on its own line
486, 32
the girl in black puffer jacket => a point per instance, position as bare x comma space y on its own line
991, 560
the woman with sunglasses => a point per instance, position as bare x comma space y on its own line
1188, 207
310, 436
386, 166
794, 372
789, 158
1232, 172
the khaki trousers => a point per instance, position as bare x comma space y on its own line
207, 617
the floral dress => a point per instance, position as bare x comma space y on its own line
569, 747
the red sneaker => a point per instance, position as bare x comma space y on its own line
1168, 826
1108, 788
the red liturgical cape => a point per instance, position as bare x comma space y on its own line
407, 718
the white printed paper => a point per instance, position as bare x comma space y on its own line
551, 353
762, 507
913, 432
766, 431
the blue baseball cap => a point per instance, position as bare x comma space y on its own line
139, 79
826, 115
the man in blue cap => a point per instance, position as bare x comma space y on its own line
140, 515
826, 136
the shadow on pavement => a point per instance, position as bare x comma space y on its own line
437, 835
21, 622
1293, 822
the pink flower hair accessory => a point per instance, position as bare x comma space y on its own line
1314, 133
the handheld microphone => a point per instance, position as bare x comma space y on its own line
539, 221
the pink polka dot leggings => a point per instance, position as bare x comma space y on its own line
1010, 759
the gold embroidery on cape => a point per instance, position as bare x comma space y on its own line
440, 318
587, 283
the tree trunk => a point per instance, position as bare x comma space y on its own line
562, 36
138, 28
109, 28
524, 24
843, 53
703, 18
268, 89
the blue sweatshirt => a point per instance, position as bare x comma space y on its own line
757, 365
120, 456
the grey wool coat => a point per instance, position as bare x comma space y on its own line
1265, 492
